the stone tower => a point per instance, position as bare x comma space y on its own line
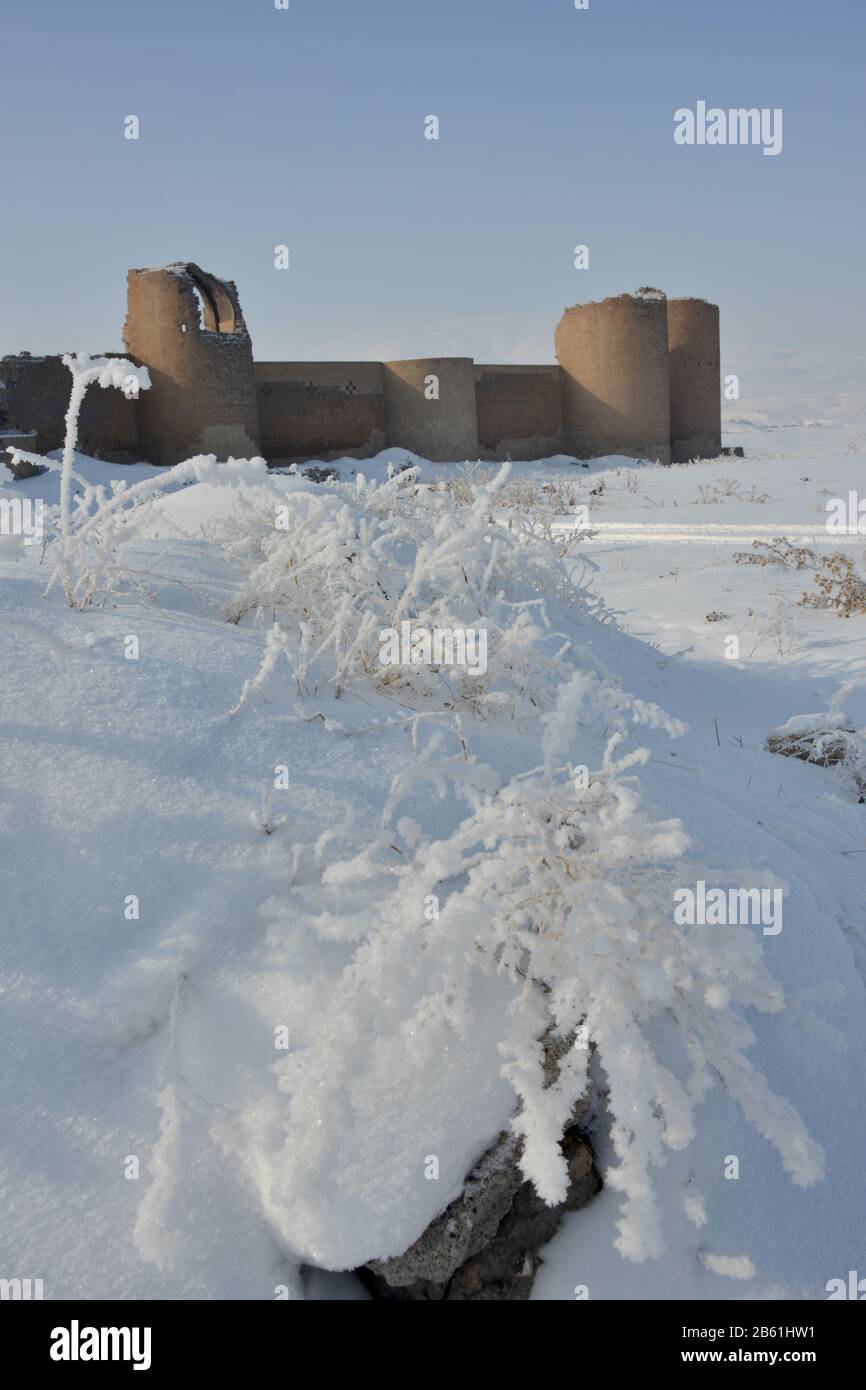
430, 407
614, 359
188, 329
696, 409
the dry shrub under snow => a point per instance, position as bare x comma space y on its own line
561, 886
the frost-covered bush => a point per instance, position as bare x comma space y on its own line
336, 567
555, 885
778, 551
566, 891
70, 567
827, 740
541, 502
839, 587
562, 886
86, 533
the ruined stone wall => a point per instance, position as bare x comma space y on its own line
614, 357
637, 375
37, 397
310, 410
324, 410
519, 411
695, 366
187, 328
442, 427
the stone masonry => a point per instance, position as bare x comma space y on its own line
637, 374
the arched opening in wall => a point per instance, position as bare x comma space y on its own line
216, 311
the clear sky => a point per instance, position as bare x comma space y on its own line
261, 126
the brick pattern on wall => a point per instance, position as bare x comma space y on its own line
519, 411
614, 355
37, 396
637, 375
695, 368
310, 410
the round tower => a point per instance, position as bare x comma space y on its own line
430, 407
614, 358
187, 328
696, 405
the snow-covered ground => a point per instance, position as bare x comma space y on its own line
168, 910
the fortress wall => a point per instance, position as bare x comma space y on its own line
519, 411
614, 356
637, 375
695, 390
187, 327
323, 410
443, 429
37, 398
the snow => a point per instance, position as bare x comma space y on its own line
152, 1037
800, 724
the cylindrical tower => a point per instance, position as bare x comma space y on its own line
696, 404
187, 328
430, 407
614, 358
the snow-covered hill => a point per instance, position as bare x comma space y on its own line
230, 1035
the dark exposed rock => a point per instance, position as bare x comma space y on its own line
465, 1227
484, 1246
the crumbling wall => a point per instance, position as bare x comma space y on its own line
323, 410
37, 398
519, 411
188, 329
637, 375
695, 391
327, 410
614, 357
430, 407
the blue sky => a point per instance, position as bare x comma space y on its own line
306, 127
